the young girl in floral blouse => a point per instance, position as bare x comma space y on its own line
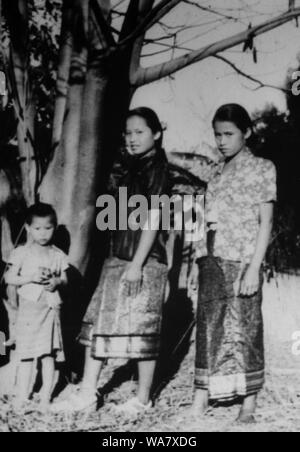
239, 216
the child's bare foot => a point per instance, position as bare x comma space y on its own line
19, 406
43, 407
43, 403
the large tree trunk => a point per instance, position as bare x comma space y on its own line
58, 183
98, 96
82, 197
90, 137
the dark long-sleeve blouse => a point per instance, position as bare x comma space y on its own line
140, 175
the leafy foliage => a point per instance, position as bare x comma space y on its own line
278, 139
43, 44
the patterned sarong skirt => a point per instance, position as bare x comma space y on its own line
118, 326
229, 344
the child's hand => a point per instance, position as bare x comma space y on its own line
39, 277
52, 284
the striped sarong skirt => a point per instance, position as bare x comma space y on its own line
229, 344
118, 326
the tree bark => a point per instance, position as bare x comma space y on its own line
63, 75
58, 185
21, 92
73, 176
84, 189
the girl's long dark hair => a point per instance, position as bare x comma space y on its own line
236, 114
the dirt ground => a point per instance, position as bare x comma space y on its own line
279, 402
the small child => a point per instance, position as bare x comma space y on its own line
38, 269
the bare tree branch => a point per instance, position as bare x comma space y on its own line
102, 23
118, 4
157, 13
63, 74
161, 10
208, 9
129, 23
168, 47
154, 73
249, 77
144, 7
118, 13
170, 29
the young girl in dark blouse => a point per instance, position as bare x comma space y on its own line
125, 313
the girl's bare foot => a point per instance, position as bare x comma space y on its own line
85, 399
199, 407
247, 412
246, 418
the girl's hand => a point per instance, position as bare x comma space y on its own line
133, 280
250, 282
193, 282
52, 284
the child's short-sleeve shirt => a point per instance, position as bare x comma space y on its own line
234, 201
27, 262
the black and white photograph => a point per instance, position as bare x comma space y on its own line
149, 218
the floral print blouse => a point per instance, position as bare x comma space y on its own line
233, 201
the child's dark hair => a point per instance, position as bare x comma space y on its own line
234, 113
41, 210
151, 119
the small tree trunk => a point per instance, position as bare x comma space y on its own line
62, 85
58, 184
20, 89
28, 162
21, 93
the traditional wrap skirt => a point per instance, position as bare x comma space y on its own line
118, 326
38, 330
229, 345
